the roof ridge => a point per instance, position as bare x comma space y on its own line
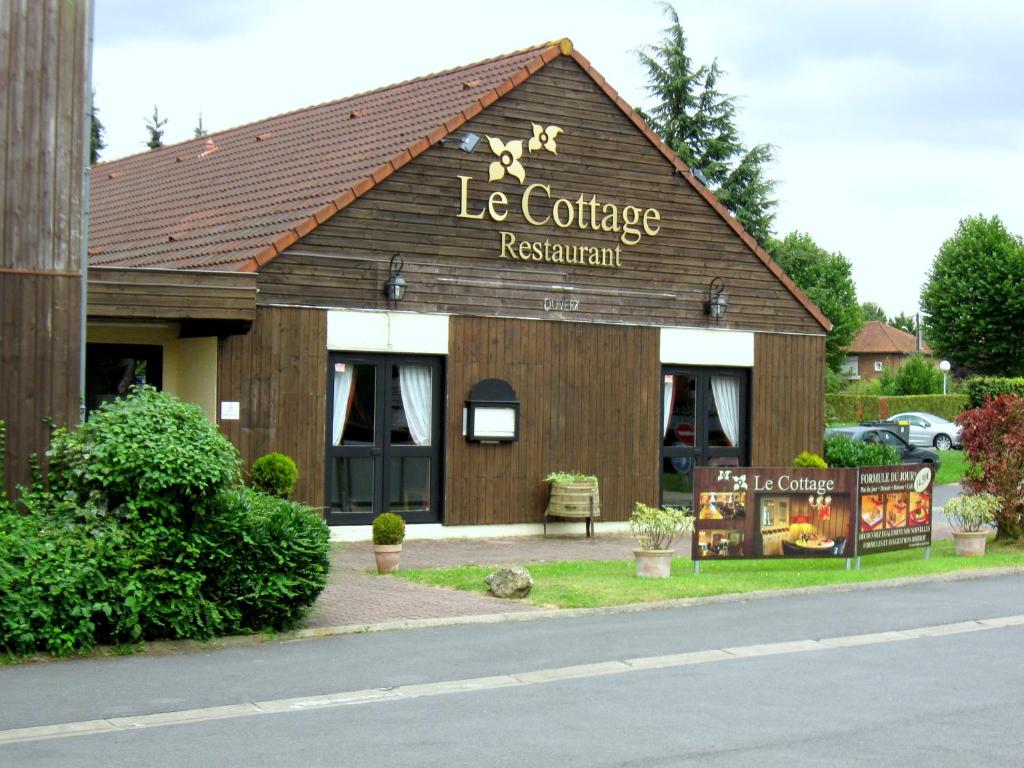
561, 42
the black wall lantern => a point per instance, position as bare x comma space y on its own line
394, 288
492, 413
717, 304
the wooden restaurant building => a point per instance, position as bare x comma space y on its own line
434, 294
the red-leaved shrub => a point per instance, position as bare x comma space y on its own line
993, 438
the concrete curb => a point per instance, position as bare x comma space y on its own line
171, 647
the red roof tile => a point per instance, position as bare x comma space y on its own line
236, 199
880, 338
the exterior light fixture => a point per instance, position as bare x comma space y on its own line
492, 413
394, 288
467, 143
944, 366
717, 304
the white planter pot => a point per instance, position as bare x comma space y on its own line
970, 543
653, 563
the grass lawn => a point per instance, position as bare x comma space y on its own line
952, 469
591, 584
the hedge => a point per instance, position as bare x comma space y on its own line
981, 388
856, 408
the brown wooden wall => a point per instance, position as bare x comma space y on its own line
172, 294
452, 264
42, 158
787, 398
590, 403
278, 373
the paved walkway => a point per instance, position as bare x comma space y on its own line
355, 594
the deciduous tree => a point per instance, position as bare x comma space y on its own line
826, 279
973, 299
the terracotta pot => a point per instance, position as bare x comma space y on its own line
653, 563
387, 557
970, 543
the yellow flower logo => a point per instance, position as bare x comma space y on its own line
544, 138
508, 159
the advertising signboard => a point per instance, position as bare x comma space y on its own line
782, 512
895, 508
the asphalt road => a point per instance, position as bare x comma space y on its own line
861, 680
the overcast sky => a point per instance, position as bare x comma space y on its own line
891, 121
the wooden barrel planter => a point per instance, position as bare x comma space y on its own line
575, 500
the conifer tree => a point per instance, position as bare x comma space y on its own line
96, 131
697, 120
155, 126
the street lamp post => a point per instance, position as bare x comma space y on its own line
944, 367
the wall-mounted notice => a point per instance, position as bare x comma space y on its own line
229, 410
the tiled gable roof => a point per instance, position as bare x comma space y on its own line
881, 338
236, 199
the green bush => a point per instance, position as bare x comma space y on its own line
841, 451
268, 559
275, 474
982, 388
851, 409
117, 545
917, 376
388, 528
811, 460
149, 451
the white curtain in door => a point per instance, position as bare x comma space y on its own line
342, 398
726, 390
415, 383
666, 396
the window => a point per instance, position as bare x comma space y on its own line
878, 366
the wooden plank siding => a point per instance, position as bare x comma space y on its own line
278, 373
787, 398
42, 161
590, 403
171, 294
453, 265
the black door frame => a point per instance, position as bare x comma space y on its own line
382, 450
700, 451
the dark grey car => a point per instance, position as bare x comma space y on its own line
911, 454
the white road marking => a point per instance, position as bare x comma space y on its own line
534, 677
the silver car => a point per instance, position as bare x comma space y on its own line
927, 429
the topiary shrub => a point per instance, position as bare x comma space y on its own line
268, 559
274, 473
841, 451
811, 460
388, 528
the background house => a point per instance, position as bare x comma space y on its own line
879, 346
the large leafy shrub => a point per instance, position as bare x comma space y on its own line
917, 376
841, 451
993, 438
981, 388
150, 452
274, 473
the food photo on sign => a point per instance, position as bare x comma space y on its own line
755, 512
895, 508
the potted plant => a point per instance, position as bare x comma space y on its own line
654, 529
388, 535
573, 495
970, 515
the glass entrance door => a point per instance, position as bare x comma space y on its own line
383, 438
704, 423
